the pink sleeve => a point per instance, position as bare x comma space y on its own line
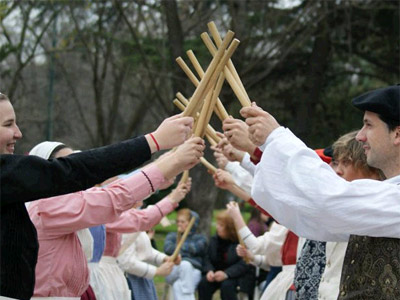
68, 213
141, 220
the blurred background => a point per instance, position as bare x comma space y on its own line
90, 73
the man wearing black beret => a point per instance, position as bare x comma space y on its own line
305, 195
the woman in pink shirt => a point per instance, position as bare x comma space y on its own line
62, 268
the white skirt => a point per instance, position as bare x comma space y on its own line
278, 287
108, 281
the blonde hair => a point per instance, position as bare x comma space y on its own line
185, 212
347, 148
226, 220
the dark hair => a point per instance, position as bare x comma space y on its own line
255, 215
3, 97
390, 123
56, 149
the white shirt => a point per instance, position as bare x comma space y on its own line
268, 244
140, 258
247, 164
304, 194
241, 176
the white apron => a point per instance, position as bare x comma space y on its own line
278, 287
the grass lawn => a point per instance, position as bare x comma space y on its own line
161, 232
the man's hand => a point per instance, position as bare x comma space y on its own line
261, 123
237, 133
223, 179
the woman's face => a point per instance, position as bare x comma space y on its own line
9, 131
221, 231
182, 223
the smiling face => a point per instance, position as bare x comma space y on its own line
9, 131
381, 145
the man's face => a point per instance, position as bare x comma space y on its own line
378, 141
9, 131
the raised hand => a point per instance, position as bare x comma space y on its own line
223, 179
261, 123
244, 253
172, 132
185, 157
220, 158
233, 210
179, 193
237, 132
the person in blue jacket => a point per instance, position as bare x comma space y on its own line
185, 277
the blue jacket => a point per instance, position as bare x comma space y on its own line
193, 249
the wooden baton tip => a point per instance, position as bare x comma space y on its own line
178, 104
185, 68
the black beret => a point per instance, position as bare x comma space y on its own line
384, 101
328, 151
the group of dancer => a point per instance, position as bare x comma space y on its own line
71, 227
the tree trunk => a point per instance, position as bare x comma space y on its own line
314, 82
175, 42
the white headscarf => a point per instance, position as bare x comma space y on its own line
44, 149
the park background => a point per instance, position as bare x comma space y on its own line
90, 73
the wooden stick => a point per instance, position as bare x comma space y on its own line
187, 71
185, 176
179, 104
208, 165
213, 101
229, 52
220, 107
239, 92
211, 140
217, 38
195, 81
182, 240
198, 130
210, 131
203, 86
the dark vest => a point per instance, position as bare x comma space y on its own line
371, 269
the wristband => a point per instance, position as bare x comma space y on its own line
151, 184
155, 141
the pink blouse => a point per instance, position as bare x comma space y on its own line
62, 269
131, 220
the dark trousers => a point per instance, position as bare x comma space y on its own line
228, 289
